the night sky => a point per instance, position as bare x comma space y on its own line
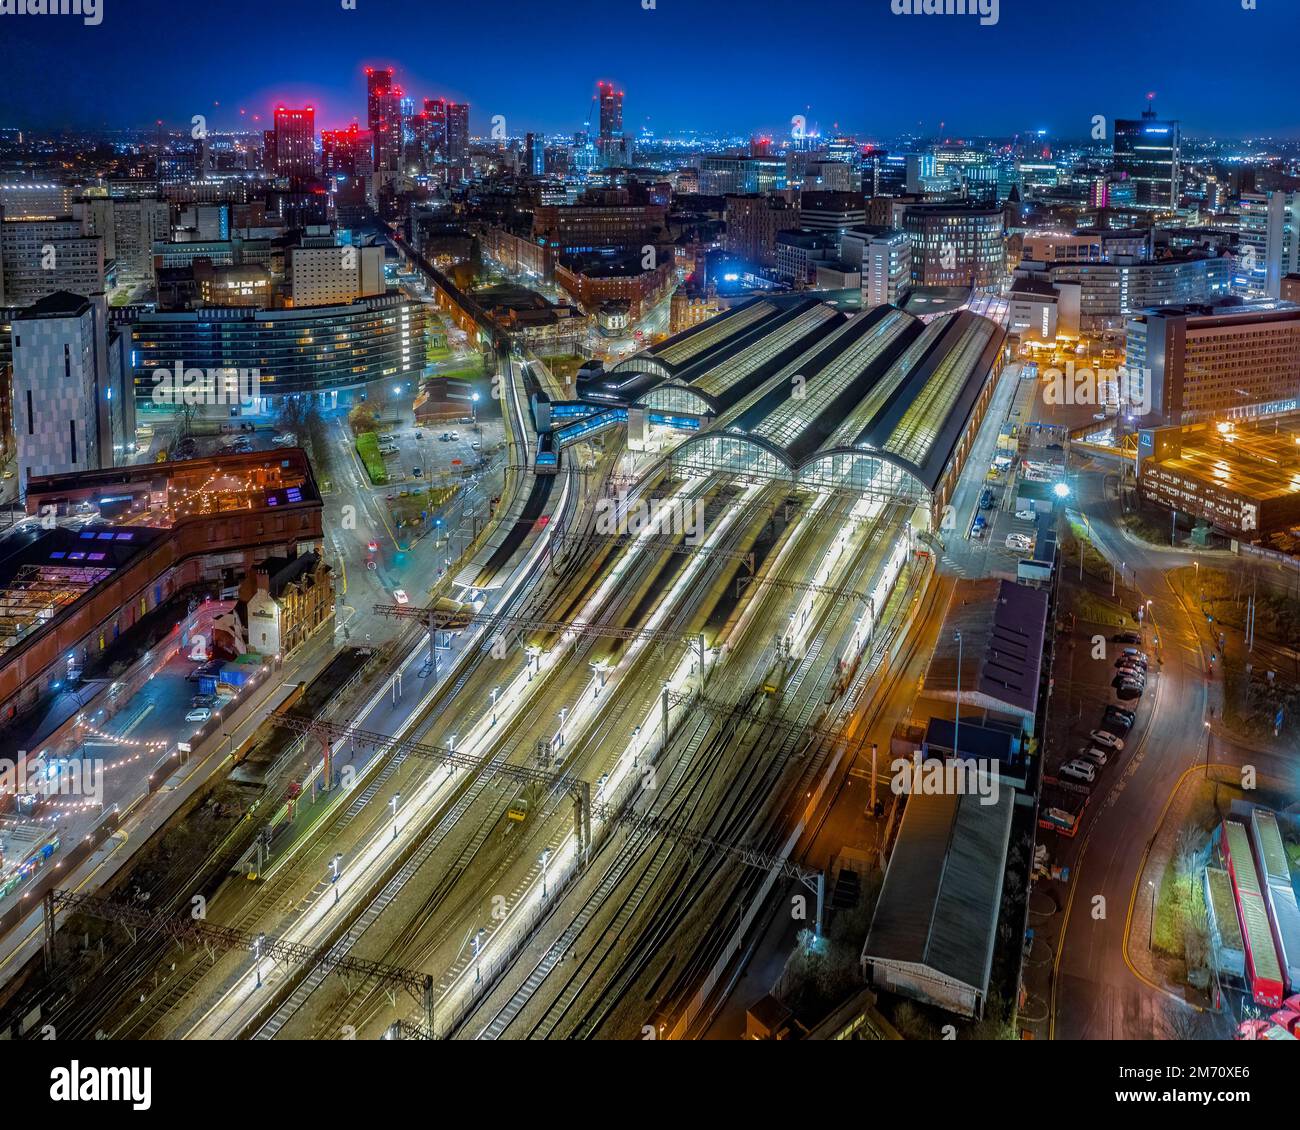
735, 66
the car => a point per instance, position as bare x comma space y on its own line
1126, 637
372, 546
1099, 415
1142, 655
476, 446
1128, 691
1107, 740
1133, 677
198, 714
1133, 671
1080, 770
445, 436
204, 700
387, 437
1018, 542
285, 439
1026, 515
1126, 716
387, 449
400, 596
455, 435
1129, 661
1094, 754
417, 472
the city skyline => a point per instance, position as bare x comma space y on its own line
321, 63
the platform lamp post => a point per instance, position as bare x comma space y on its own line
956, 722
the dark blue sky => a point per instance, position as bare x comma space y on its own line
717, 65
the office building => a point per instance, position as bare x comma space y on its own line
32, 200
60, 391
955, 245
384, 118
40, 257
886, 263
1146, 153
752, 223
295, 143
1208, 360
798, 254
1110, 293
721, 176
1267, 247
832, 212
331, 276
333, 351
129, 229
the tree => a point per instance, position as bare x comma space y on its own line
362, 418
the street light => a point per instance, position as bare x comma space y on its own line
478, 948
473, 407
397, 797
560, 733
258, 943
495, 691
334, 876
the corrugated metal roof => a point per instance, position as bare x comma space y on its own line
943, 888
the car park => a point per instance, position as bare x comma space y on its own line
1107, 740
1080, 770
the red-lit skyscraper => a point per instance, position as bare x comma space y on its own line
384, 116
295, 142
611, 110
611, 144
338, 149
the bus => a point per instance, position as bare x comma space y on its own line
1262, 964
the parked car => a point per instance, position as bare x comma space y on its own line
1126, 637
1130, 661
400, 596
1080, 770
417, 472
285, 439
1107, 740
1026, 515
198, 714
1129, 677
445, 436
1094, 754
476, 446
387, 437
204, 700
1128, 691
1125, 716
1142, 655
1018, 542
455, 435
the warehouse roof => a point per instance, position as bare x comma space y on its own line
939, 904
